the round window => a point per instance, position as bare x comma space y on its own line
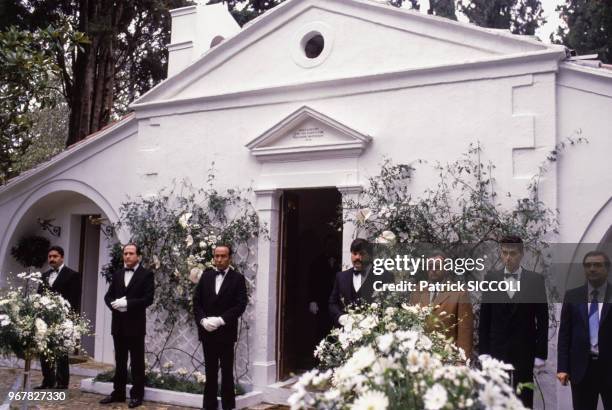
313, 45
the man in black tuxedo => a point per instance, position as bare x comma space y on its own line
584, 348
355, 285
514, 324
130, 293
219, 299
64, 281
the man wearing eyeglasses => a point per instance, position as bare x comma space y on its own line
585, 336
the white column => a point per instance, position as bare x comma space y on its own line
104, 349
349, 230
264, 343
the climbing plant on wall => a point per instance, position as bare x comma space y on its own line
177, 231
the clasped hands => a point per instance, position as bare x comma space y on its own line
212, 323
120, 304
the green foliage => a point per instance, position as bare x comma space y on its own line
519, 16
31, 251
174, 381
32, 122
115, 263
177, 231
588, 27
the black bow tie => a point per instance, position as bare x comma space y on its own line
220, 272
129, 270
511, 275
357, 272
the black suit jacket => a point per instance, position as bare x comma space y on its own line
67, 285
574, 345
229, 304
343, 293
514, 330
139, 295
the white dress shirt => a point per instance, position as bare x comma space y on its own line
357, 281
512, 281
54, 274
601, 295
128, 275
219, 280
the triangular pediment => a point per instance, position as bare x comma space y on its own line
307, 134
361, 38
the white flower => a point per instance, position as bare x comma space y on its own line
362, 358
384, 342
371, 400
184, 219
182, 372
369, 322
168, 365
195, 274
5, 320
200, 378
386, 237
203, 244
156, 261
363, 215
41, 328
435, 398
490, 396
189, 240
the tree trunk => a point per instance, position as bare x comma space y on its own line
94, 69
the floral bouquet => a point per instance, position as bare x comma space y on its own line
38, 325
375, 363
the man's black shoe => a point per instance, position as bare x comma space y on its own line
111, 399
134, 403
43, 387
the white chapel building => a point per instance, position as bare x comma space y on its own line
306, 101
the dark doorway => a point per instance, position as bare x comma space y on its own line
89, 252
310, 255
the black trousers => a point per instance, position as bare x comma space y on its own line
215, 354
134, 346
595, 382
524, 374
54, 372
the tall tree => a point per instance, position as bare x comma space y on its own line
519, 16
442, 8
123, 58
588, 27
29, 83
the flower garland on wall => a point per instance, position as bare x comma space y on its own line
177, 231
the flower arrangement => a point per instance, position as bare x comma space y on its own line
374, 324
38, 325
378, 364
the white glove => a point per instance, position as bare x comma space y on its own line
207, 324
217, 321
120, 304
313, 307
539, 363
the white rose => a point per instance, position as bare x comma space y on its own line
195, 274
184, 219
386, 237
189, 240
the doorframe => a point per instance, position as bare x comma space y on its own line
267, 203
